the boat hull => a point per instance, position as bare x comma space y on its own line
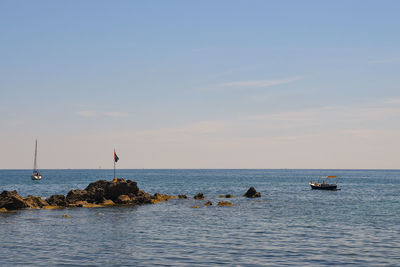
36, 177
323, 186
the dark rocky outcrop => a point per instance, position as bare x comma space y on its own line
35, 202
97, 194
57, 200
182, 196
199, 196
252, 193
76, 195
10, 200
99, 191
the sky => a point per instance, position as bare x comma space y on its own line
200, 84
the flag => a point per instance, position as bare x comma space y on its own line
115, 157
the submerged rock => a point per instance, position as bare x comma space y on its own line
208, 203
199, 196
10, 200
157, 198
252, 193
225, 203
227, 196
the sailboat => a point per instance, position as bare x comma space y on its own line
36, 174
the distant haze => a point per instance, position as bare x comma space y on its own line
200, 84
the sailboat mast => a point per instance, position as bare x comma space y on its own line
34, 162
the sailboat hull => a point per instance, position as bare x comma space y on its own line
36, 177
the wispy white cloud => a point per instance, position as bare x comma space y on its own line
87, 113
251, 84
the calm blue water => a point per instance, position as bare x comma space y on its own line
289, 225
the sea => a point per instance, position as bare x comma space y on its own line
290, 225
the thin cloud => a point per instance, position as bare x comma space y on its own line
87, 113
251, 84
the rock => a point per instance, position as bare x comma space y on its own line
97, 194
195, 207
199, 196
66, 216
227, 196
57, 200
74, 196
182, 196
208, 203
123, 199
49, 207
252, 193
78, 204
141, 198
99, 191
10, 200
157, 198
224, 203
108, 202
120, 187
34, 202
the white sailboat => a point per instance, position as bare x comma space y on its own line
36, 175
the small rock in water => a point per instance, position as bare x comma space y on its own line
224, 203
157, 198
66, 216
252, 193
195, 207
227, 196
208, 203
199, 196
182, 196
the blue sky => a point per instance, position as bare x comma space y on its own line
205, 84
